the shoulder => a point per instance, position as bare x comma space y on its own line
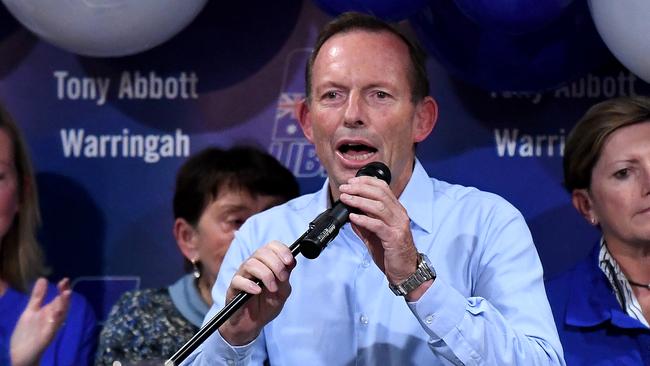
560, 286
560, 282
143, 324
581, 280
133, 302
460, 194
558, 289
135, 307
294, 211
471, 203
137, 310
293, 206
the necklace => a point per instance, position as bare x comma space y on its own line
611, 268
632, 283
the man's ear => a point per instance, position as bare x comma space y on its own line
582, 202
426, 116
304, 117
185, 235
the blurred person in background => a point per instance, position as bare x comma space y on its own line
602, 305
216, 191
53, 325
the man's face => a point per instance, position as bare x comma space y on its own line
361, 108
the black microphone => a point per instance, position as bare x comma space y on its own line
327, 225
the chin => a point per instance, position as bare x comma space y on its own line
342, 177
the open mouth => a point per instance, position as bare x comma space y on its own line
356, 151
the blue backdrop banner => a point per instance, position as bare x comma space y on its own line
107, 135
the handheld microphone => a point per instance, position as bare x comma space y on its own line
327, 225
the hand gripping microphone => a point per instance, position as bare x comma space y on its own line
321, 231
327, 225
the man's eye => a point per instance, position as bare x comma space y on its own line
382, 95
331, 95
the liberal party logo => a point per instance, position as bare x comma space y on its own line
288, 144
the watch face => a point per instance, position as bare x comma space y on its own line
423, 273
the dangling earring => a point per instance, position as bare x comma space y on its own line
196, 272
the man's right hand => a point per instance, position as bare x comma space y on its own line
272, 264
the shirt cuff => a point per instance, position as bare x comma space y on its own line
440, 309
225, 354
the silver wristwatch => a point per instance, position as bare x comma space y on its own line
423, 273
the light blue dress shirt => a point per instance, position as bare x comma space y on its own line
487, 305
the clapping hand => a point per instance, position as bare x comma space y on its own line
38, 324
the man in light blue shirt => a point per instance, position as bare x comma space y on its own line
426, 273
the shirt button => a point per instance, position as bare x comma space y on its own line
231, 362
363, 319
365, 263
428, 319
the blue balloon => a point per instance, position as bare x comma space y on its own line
563, 50
393, 10
513, 16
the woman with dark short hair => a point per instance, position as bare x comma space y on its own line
216, 191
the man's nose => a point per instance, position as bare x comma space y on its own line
354, 111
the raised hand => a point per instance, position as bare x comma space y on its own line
38, 324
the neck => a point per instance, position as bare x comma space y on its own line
639, 285
634, 262
400, 182
205, 290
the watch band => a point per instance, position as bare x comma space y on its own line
423, 273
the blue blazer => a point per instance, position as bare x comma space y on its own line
593, 328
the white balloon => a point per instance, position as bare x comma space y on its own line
624, 25
105, 27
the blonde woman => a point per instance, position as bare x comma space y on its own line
50, 326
